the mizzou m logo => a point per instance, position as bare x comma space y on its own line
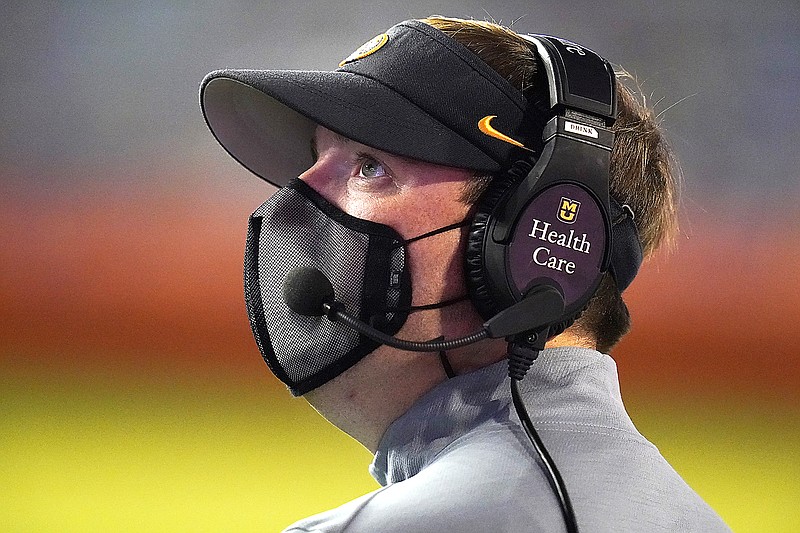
568, 210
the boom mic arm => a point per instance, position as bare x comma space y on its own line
335, 311
309, 292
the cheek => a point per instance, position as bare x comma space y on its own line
437, 267
366, 208
411, 215
325, 178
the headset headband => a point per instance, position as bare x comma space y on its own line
577, 78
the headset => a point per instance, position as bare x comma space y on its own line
547, 224
542, 230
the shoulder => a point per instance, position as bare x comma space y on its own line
334, 520
474, 485
489, 481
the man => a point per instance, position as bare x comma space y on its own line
421, 143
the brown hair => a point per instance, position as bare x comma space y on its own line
643, 173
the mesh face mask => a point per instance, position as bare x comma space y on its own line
365, 262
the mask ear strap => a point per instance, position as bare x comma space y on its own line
448, 368
444, 229
426, 307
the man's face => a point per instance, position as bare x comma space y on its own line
413, 198
410, 196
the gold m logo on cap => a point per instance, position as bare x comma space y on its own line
369, 47
568, 210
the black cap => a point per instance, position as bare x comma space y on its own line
412, 91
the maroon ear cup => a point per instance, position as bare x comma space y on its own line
559, 239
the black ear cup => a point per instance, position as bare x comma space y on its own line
478, 286
491, 270
566, 321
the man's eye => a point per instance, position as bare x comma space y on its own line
369, 168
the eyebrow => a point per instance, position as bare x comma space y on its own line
341, 140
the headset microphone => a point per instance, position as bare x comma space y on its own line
308, 292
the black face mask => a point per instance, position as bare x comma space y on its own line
366, 263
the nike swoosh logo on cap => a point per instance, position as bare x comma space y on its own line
485, 125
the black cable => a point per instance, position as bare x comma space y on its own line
523, 350
553, 476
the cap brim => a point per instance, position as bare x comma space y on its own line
265, 119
